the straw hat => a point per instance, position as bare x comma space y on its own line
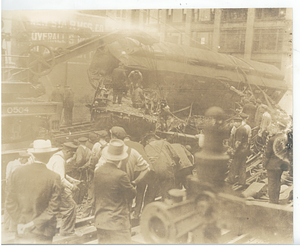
41, 146
115, 151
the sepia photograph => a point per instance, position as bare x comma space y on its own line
170, 124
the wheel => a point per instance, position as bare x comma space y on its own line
41, 59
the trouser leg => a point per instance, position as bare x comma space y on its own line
120, 95
68, 211
242, 170
89, 208
114, 96
233, 170
274, 177
180, 177
151, 190
141, 187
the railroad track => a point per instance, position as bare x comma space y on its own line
69, 133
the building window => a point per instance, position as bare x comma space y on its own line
270, 13
146, 16
234, 14
174, 38
183, 15
267, 40
201, 38
232, 41
199, 15
170, 15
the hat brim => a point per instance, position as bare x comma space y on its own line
111, 157
36, 151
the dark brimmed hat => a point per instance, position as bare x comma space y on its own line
119, 132
82, 139
148, 136
70, 145
244, 116
215, 112
102, 133
24, 154
237, 118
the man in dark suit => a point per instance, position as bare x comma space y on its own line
113, 191
239, 139
275, 161
33, 197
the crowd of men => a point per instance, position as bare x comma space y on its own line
45, 183
267, 130
107, 173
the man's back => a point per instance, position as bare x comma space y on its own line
241, 135
162, 157
139, 148
184, 154
112, 191
34, 188
118, 79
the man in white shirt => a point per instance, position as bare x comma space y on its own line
68, 206
134, 163
100, 144
88, 207
266, 121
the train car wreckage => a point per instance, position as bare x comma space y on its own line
188, 78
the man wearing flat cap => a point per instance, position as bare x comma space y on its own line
80, 163
113, 191
33, 198
100, 144
88, 207
81, 158
239, 140
68, 206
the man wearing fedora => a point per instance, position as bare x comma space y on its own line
33, 197
113, 193
134, 163
68, 205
